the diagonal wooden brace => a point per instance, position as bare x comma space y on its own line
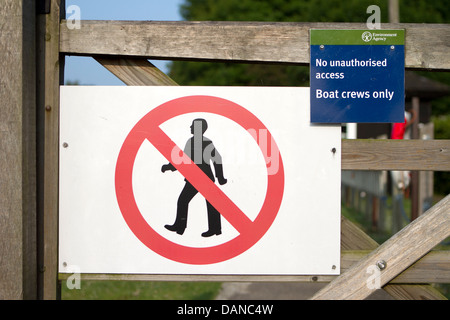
394, 256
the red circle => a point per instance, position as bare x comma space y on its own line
127, 203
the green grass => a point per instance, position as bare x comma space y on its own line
141, 290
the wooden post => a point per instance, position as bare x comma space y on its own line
394, 11
48, 155
17, 150
415, 175
426, 178
375, 212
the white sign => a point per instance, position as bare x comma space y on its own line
197, 180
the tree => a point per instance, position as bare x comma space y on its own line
203, 73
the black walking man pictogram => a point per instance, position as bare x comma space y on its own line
202, 152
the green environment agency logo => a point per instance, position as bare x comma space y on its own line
356, 37
367, 36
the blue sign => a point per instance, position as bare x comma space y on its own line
357, 76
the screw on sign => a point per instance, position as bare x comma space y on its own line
148, 129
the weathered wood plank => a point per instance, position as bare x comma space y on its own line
49, 225
135, 72
399, 252
434, 268
427, 45
353, 238
416, 292
17, 150
396, 155
202, 277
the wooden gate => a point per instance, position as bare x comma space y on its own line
407, 262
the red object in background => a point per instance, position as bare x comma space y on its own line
398, 130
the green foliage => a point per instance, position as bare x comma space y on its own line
141, 290
439, 106
411, 11
423, 11
442, 127
280, 10
228, 74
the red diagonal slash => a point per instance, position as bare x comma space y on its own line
199, 180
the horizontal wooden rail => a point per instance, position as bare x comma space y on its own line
434, 268
383, 154
427, 45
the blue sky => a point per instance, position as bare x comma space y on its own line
86, 70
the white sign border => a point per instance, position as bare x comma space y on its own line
106, 107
